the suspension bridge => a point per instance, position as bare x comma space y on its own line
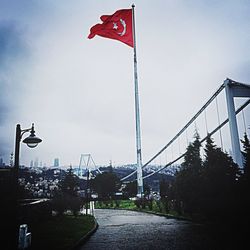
232, 90
87, 166
176, 147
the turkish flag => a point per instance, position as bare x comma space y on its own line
117, 26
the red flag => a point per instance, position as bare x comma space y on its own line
117, 26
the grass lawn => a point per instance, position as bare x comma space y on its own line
125, 204
157, 207
60, 232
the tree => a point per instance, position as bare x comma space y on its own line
244, 189
146, 189
192, 158
218, 182
70, 183
187, 183
66, 197
106, 184
246, 155
131, 189
166, 193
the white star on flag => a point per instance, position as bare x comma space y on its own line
115, 27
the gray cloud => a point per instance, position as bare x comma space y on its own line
12, 50
79, 92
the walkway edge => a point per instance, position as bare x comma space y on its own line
169, 216
86, 236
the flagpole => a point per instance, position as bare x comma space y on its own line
137, 116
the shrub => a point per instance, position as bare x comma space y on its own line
59, 204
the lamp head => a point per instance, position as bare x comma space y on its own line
32, 140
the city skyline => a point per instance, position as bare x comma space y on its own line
79, 92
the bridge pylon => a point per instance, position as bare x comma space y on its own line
235, 89
86, 165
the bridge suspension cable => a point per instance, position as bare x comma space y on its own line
204, 139
191, 121
185, 129
181, 131
244, 121
218, 117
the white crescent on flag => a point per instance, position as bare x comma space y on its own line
124, 28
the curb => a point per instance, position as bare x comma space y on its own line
85, 237
169, 216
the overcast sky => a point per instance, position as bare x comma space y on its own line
79, 92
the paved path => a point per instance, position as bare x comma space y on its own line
121, 229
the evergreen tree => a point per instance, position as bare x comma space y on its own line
192, 158
218, 182
70, 184
106, 184
244, 190
131, 189
166, 193
163, 188
146, 189
66, 197
209, 151
246, 155
187, 183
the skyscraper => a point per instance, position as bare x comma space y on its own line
36, 163
56, 162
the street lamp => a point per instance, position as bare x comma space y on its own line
87, 192
31, 141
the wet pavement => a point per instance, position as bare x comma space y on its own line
122, 229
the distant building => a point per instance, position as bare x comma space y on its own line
31, 163
36, 163
56, 162
1, 162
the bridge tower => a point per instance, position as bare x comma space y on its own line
87, 163
235, 89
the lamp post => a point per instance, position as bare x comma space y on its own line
31, 141
87, 192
